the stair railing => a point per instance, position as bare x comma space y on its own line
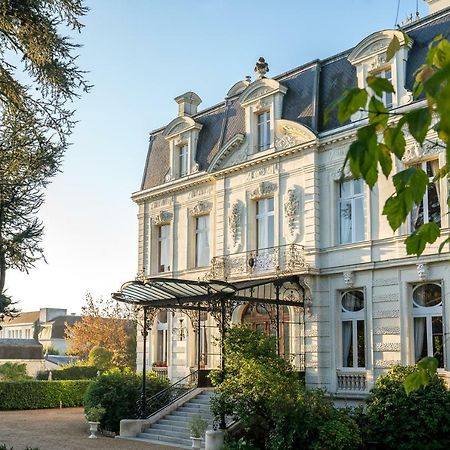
171, 394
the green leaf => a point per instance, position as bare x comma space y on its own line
410, 185
429, 364
352, 101
414, 381
363, 155
379, 85
433, 84
384, 157
378, 113
441, 56
392, 49
394, 138
419, 122
425, 234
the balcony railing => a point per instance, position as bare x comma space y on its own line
351, 381
273, 260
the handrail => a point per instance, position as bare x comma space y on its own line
172, 393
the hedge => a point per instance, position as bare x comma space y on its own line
42, 394
70, 373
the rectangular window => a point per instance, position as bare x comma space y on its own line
202, 257
429, 209
353, 329
263, 131
351, 211
183, 160
265, 221
163, 248
387, 96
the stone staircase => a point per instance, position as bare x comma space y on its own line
173, 428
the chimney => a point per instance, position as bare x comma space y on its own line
187, 103
437, 5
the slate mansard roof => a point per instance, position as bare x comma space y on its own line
310, 89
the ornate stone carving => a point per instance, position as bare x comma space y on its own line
201, 208
390, 313
195, 168
261, 104
291, 136
388, 347
162, 218
422, 271
234, 222
261, 67
377, 61
386, 330
392, 297
416, 152
386, 364
291, 208
237, 157
348, 279
385, 282
264, 189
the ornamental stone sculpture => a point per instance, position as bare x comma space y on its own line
261, 67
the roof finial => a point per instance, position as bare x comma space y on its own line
261, 67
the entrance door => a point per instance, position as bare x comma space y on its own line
258, 318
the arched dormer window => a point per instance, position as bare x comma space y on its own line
182, 134
263, 104
369, 58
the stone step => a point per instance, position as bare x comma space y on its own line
184, 434
162, 426
167, 439
195, 408
189, 414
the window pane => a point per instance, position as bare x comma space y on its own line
417, 216
358, 186
427, 295
438, 342
347, 344
346, 189
420, 338
361, 344
270, 231
434, 207
269, 205
353, 301
163, 248
345, 214
358, 219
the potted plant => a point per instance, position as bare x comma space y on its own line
94, 415
197, 427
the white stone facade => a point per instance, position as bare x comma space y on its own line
300, 172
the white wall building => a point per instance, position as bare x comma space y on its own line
254, 184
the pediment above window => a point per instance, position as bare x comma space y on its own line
375, 44
181, 125
263, 190
162, 218
260, 89
290, 134
201, 208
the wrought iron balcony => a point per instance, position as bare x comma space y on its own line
262, 262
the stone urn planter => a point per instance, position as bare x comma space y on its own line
94, 415
197, 427
93, 428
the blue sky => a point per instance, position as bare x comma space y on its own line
141, 54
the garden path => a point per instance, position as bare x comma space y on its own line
58, 429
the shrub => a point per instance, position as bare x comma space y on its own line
118, 392
95, 414
13, 372
70, 372
50, 350
41, 394
418, 420
198, 426
100, 357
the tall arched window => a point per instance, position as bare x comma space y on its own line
353, 331
258, 318
427, 322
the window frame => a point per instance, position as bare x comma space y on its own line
353, 317
428, 313
183, 160
354, 198
160, 239
264, 217
263, 131
198, 232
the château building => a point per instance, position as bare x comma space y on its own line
252, 189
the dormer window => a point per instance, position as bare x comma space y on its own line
182, 135
387, 96
183, 159
369, 58
263, 121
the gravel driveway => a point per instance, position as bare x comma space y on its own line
57, 429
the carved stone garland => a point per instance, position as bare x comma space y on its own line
291, 208
234, 222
